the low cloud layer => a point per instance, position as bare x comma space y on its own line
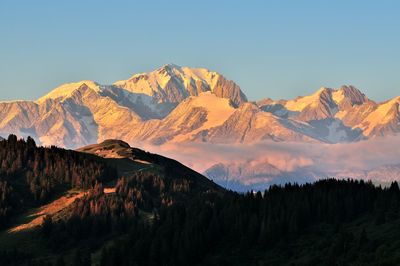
288, 157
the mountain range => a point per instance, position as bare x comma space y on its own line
181, 104
175, 105
252, 175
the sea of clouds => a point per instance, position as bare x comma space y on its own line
289, 157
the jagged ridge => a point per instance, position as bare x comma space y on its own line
180, 104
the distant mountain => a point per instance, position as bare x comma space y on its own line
384, 174
253, 175
347, 111
181, 104
77, 114
250, 124
173, 84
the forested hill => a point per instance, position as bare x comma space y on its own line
31, 175
121, 151
132, 211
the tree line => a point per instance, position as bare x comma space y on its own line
206, 227
31, 175
165, 219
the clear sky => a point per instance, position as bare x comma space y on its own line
277, 49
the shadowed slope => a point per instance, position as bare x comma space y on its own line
128, 159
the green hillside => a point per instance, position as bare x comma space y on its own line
110, 204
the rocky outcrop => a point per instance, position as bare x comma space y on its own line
173, 84
250, 124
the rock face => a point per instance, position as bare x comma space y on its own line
249, 124
141, 108
182, 104
173, 84
344, 114
191, 116
76, 118
383, 120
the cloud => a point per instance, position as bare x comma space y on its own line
288, 156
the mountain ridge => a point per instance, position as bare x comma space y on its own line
182, 104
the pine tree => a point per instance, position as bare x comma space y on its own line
60, 261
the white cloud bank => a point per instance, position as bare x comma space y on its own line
289, 156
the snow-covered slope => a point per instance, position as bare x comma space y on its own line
66, 90
193, 115
77, 117
84, 112
339, 115
324, 103
17, 117
249, 124
182, 104
172, 84
383, 120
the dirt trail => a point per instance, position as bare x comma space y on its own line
36, 216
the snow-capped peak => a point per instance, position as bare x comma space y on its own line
349, 95
383, 120
66, 90
300, 103
172, 84
174, 103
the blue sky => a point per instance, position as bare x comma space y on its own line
277, 49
